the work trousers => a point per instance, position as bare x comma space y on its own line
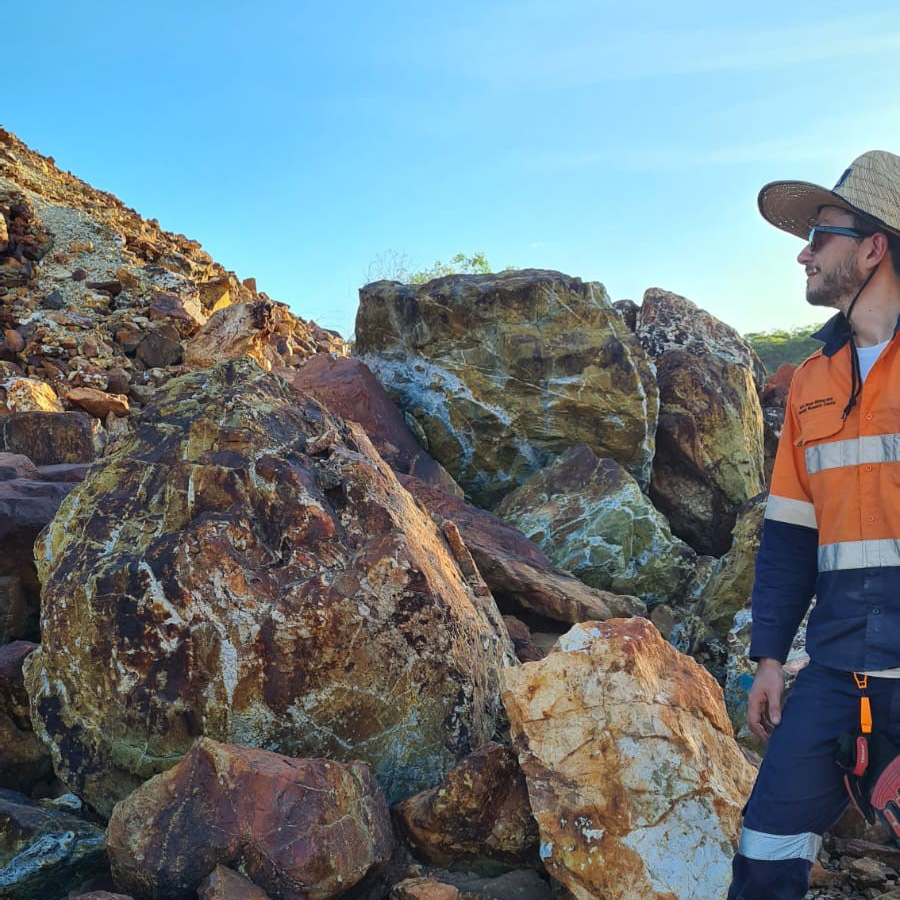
799, 792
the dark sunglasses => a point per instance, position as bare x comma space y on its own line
816, 230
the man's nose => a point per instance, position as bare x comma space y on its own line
805, 255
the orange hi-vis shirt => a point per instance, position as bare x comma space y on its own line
832, 523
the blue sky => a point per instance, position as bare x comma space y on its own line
300, 142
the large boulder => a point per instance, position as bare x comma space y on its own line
517, 571
633, 773
301, 829
709, 443
246, 567
591, 518
504, 372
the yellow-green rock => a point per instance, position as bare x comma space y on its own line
505, 372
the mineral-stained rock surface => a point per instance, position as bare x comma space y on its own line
301, 829
515, 569
505, 371
479, 811
709, 444
246, 567
50, 438
590, 517
42, 849
348, 390
632, 769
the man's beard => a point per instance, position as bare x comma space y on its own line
842, 282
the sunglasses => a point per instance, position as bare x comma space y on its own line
816, 230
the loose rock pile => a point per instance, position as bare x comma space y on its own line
269, 627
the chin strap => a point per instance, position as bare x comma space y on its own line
856, 381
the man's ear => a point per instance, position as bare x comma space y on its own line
878, 249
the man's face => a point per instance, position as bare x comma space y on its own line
833, 275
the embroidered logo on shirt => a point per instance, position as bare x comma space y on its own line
819, 403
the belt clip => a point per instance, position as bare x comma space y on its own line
865, 710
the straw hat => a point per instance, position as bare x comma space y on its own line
871, 186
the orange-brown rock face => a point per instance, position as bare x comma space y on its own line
246, 567
479, 811
632, 770
301, 829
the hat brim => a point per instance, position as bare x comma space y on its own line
793, 206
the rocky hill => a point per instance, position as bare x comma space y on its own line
455, 618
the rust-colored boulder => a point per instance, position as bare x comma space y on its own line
709, 442
516, 569
479, 811
301, 829
98, 403
520, 635
241, 329
775, 390
632, 770
49, 438
348, 390
246, 567
23, 758
503, 372
225, 884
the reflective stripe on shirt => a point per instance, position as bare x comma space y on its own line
859, 555
794, 512
879, 448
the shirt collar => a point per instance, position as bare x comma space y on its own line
836, 332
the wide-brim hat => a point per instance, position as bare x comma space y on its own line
870, 186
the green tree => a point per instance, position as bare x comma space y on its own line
476, 264
783, 345
395, 265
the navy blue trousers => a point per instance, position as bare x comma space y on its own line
799, 791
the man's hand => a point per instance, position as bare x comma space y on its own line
764, 701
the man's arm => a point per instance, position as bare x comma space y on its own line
785, 578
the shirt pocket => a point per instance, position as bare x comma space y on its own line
817, 427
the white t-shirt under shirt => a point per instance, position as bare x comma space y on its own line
867, 357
